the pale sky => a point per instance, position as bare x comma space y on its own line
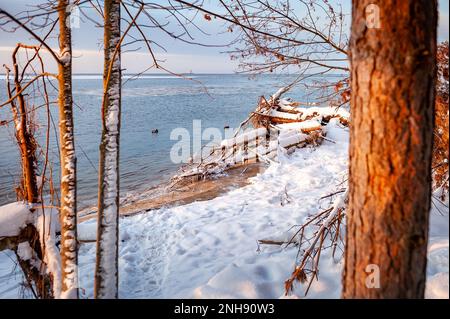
180, 57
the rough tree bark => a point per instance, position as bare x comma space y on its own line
24, 139
38, 281
68, 213
393, 83
106, 270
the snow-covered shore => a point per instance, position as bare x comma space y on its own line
209, 249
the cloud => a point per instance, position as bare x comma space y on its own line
443, 25
91, 61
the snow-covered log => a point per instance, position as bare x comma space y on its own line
277, 124
249, 149
296, 114
30, 231
13, 218
245, 137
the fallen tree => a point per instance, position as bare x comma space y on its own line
29, 226
324, 230
31, 233
276, 125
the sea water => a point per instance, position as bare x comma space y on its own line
150, 102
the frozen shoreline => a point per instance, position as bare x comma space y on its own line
158, 197
208, 249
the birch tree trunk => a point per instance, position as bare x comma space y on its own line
68, 213
393, 83
106, 270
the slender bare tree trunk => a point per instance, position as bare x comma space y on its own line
68, 214
25, 140
106, 271
393, 83
39, 282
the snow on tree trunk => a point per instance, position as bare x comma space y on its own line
46, 226
68, 213
393, 83
106, 271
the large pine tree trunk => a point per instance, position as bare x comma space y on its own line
106, 272
68, 213
393, 83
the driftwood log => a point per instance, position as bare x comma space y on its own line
275, 124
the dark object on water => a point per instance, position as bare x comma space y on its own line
155, 131
226, 127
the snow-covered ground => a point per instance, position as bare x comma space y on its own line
209, 249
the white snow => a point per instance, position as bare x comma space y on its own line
11, 276
65, 56
304, 113
24, 251
47, 224
13, 217
87, 231
289, 116
245, 137
209, 249
438, 246
278, 93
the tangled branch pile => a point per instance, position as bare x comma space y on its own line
324, 229
321, 231
277, 125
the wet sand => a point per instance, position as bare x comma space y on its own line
159, 196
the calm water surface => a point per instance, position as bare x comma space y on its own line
161, 102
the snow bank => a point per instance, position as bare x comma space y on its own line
87, 231
14, 217
438, 247
209, 249
11, 276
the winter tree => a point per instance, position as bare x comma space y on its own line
24, 136
68, 213
106, 269
28, 191
305, 38
392, 99
64, 270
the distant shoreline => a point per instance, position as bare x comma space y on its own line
188, 74
158, 196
